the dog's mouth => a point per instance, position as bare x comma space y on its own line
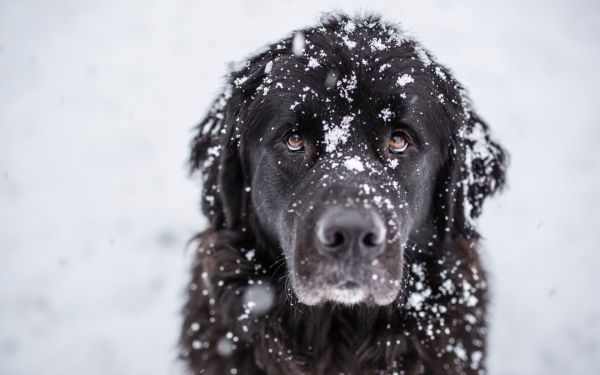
347, 295
368, 285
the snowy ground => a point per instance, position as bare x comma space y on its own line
97, 101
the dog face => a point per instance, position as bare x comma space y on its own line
343, 173
344, 143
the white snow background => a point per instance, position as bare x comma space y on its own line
97, 102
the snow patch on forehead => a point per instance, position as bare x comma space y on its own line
337, 134
349, 43
313, 62
346, 87
405, 79
386, 114
377, 45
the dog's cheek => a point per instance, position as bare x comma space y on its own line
267, 209
387, 292
287, 233
394, 263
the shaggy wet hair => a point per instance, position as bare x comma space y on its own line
343, 169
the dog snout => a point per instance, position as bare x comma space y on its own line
348, 232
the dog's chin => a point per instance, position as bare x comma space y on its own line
345, 296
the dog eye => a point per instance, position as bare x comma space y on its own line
295, 143
398, 142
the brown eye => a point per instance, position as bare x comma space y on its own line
398, 142
295, 143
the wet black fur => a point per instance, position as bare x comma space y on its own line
330, 339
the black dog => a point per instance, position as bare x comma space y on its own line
342, 169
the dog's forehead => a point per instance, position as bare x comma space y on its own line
342, 61
344, 73
343, 78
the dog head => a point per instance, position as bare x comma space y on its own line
338, 145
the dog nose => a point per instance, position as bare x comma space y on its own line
343, 232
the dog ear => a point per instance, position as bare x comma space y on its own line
484, 165
216, 149
214, 155
483, 170
475, 170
